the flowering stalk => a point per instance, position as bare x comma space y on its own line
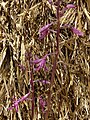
32, 86
58, 27
55, 60
31, 82
30, 69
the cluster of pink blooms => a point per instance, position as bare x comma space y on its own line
41, 63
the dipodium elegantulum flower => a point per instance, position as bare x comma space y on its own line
76, 31
41, 63
50, 1
44, 31
15, 105
42, 104
45, 82
16, 102
68, 6
73, 29
25, 97
42, 81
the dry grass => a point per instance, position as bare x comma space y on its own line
19, 25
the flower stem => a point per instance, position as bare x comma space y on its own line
54, 63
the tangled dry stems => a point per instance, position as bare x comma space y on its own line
19, 23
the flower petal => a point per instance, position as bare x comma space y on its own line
16, 102
10, 108
70, 6
25, 96
77, 32
43, 34
44, 28
42, 103
50, 1
44, 31
45, 82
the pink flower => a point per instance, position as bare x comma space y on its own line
42, 81
50, 1
25, 97
44, 31
77, 32
45, 82
16, 102
70, 6
42, 103
41, 63
15, 105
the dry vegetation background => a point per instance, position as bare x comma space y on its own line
20, 21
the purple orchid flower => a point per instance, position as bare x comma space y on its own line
42, 81
45, 82
74, 30
25, 97
15, 105
42, 103
17, 102
50, 1
44, 31
41, 63
77, 32
70, 6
